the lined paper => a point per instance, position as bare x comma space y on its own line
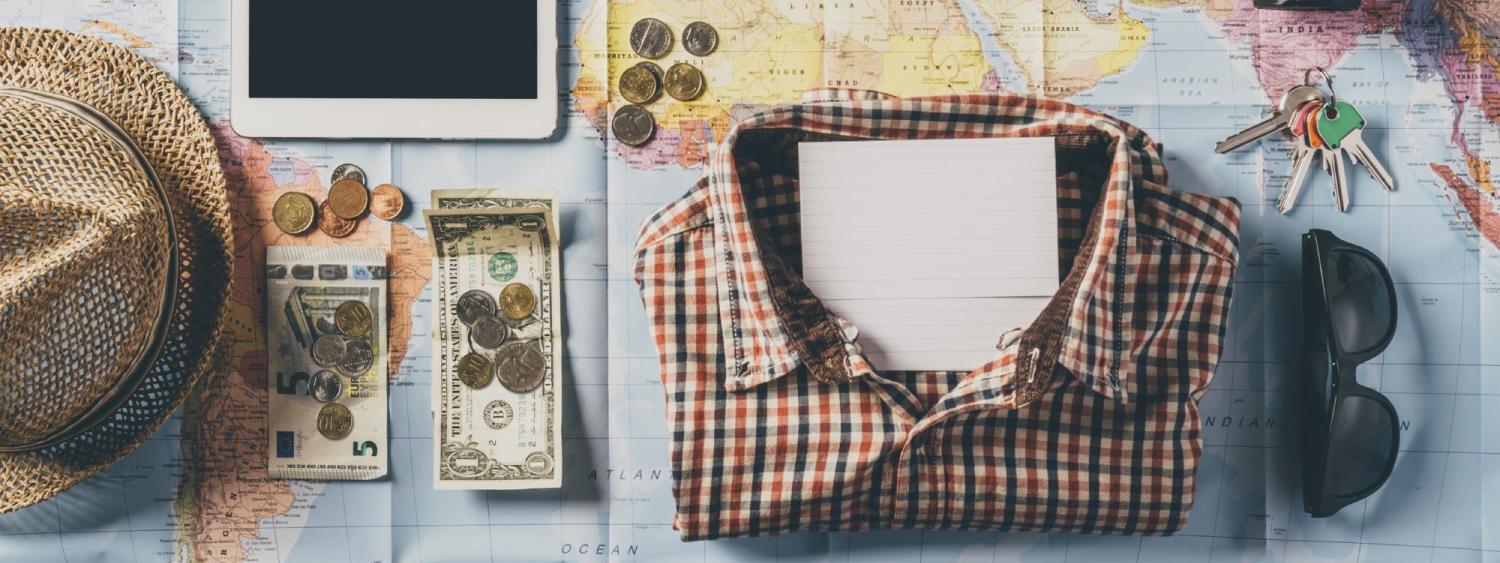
932, 248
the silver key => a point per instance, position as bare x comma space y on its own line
1302, 158
1354, 145
1278, 121
1303, 154
1340, 128
1334, 160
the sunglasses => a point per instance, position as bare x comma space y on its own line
1352, 433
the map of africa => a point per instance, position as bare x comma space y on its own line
1425, 73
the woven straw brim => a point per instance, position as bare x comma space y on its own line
176, 141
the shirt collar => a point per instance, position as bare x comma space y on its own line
1093, 331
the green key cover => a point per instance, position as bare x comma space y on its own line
1333, 131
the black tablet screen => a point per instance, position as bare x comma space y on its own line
393, 49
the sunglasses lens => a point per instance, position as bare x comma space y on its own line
1359, 446
1359, 301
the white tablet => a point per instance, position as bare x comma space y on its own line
440, 69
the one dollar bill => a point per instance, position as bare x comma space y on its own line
486, 198
497, 369
326, 341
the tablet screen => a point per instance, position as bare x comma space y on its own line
451, 49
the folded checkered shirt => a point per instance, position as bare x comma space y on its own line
1085, 421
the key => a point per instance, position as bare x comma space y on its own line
1332, 155
1277, 121
1302, 156
1334, 158
1347, 127
1332, 162
1310, 129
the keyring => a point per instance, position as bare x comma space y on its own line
1330, 108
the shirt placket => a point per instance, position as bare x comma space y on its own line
917, 463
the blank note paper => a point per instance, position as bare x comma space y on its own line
932, 248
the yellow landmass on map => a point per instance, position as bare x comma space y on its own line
1060, 47
771, 53
1479, 170
131, 40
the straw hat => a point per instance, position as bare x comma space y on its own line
115, 255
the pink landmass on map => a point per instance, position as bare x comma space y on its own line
1285, 43
991, 83
1469, 62
662, 149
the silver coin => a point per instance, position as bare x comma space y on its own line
650, 38
633, 125
700, 39
347, 170
520, 367
326, 386
358, 357
489, 332
327, 350
474, 304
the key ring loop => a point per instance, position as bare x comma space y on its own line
1330, 109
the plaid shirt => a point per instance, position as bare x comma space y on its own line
1084, 421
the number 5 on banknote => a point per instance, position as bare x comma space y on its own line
497, 367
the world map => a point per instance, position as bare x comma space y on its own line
1425, 73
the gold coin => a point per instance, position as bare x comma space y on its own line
387, 202
349, 199
684, 82
335, 421
475, 370
353, 318
638, 85
294, 212
656, 72
633, 125
333, 225
517, 301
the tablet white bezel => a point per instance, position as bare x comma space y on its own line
397, 118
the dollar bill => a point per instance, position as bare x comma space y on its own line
486, 198
326, 343
505, 431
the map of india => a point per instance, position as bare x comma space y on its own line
1424, 73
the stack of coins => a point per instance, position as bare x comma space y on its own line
344, 351
500, 346
348, 201
645, 82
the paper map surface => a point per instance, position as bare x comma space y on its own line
1189, 72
